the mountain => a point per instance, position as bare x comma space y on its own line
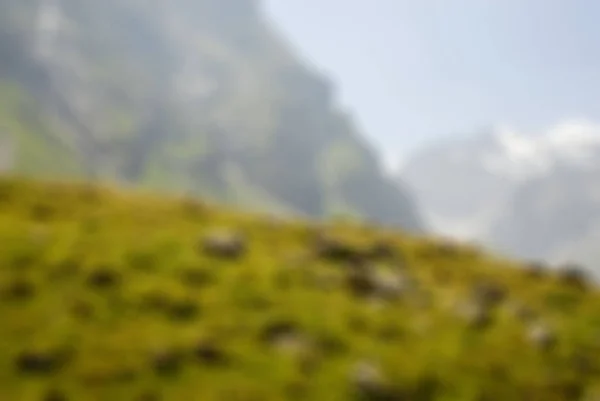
457, 192
119, 295
553, 216
529, 196
200, 97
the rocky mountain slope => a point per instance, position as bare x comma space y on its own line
199, 97
108, 295
552, 216
457, 193
528, 196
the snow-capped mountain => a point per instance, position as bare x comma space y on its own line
532, 195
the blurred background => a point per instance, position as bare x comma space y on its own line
478, 120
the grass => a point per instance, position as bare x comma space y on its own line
115, 295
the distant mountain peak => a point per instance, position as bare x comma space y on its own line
465, 184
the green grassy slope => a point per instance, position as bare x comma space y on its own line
107, 295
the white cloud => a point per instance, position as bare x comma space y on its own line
519, 156
574, 140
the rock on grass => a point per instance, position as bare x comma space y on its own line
277, 333
475, 315
542, 336
167, 362
378, 285
368, 383
103, 278
81, 310
488, 294
184, 310
360, 283
336, 250
224, 243
149, 396
391, 286
536, 270
18, 290
522, 312
382, 250
209, 353
55, 395
37, 362
573, 275
196, 277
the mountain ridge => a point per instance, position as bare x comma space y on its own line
187, 97
517, 193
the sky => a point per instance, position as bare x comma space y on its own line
413, 71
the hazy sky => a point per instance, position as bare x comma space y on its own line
415, 70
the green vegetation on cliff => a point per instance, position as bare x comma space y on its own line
109, 295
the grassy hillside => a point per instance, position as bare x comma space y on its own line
108, 295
